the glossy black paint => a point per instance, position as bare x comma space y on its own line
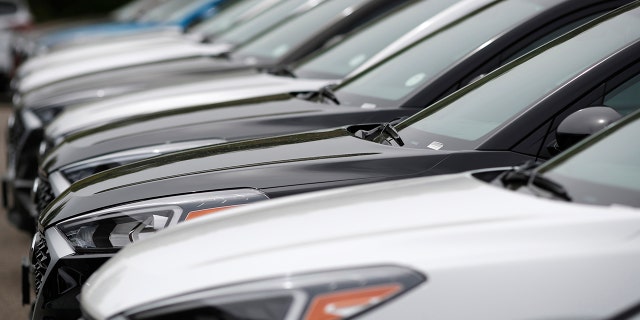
231, 121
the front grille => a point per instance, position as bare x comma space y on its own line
41, 260
44, 195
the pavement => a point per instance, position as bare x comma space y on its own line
14, 245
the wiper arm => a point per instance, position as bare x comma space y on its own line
376, 134
527, 175
223, 56
282, 71
392, 133
325, 93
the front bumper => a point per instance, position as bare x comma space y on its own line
25, 135
57, 273
16, 198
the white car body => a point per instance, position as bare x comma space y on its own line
487, 253
105, 48
82, 116
227, 87
149, 53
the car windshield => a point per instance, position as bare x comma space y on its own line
248, 30
171, 10
133, 9
604, 170
225, 18
463, 119
279, 41
339, 60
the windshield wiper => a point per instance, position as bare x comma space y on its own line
223, 56
377, 133
282, 71
325, 93
527, 175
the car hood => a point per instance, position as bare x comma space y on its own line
419, 223
103, 85
103, 48
305, 161
151, 53
219, 88
226, 121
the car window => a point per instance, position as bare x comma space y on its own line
227, 16
248, 30
552, 35
603, 171
339, 60
626, 98
8, 8
280, 41
460, 121
409, 71
165, 11
185, 9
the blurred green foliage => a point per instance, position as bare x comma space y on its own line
46, 10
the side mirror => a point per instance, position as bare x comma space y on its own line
583, 123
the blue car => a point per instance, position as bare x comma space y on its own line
179, 14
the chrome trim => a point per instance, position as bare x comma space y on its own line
58, 245
58, 183
11, 121
34, 189
32, 249
42, 148
31, 121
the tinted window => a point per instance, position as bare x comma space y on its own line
399, 77
463, 119
626, 98
347, 55
604, 171
166, 11
185, 10
8, 8
281, 40
248, 30
226, 17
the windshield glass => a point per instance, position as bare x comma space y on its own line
287, 36
133, 9
248, 30
225, 18
339, 60
406, 73
169, 11
604, 170
463, 119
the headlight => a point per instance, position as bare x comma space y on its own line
109, 230
331, 295
80, 170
